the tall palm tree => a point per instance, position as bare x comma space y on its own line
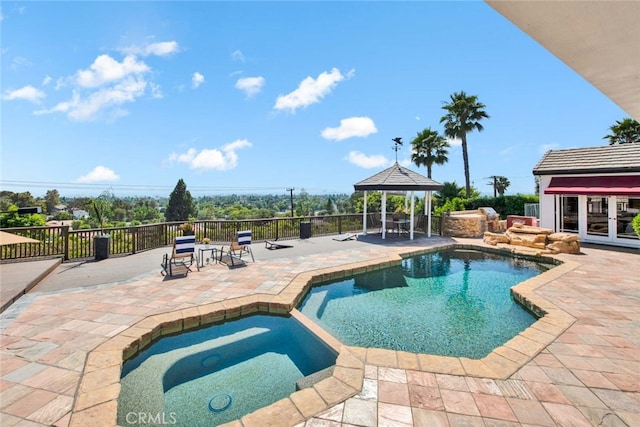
625, 131
464, 113
429, 148
502, 183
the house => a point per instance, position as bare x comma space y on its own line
80, 214
593, 192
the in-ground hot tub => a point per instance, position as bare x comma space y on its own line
220, 373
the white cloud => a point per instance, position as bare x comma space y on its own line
250, 85
27, 93
310, 91
157, 49
368, 162
99, 174
105, 70
237, 55
221, 159
454, 142
162, 48
196, 80
351, 127
546, 147
47, 79
19, 62
87, 108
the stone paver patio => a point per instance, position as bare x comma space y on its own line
60, 357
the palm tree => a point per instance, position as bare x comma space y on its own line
429, 148
464, 113
625, 131
502, 183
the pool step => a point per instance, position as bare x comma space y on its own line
310, 380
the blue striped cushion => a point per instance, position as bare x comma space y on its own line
244, 237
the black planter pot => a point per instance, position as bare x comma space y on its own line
101, 247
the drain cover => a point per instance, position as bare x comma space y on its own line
219, 402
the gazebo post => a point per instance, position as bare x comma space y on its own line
411, 217
384, 214
364, 215
427, 207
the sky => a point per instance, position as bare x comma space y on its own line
259, 97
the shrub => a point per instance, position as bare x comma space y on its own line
635, 223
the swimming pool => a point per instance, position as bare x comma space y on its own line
220, 373
450, 303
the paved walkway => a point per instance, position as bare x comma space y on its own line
588, 376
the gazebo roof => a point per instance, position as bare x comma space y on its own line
398, 178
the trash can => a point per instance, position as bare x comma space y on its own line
305, 230
101, 247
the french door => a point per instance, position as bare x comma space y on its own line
600, 219
607, 219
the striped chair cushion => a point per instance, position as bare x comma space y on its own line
185, 245
244, 237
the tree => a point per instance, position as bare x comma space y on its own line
502, 183
180, 206
499, 184
52, 198
464, 113
625, 131
429, 148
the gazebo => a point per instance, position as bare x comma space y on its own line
398, 178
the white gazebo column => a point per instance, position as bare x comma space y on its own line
411, 217
384, 214
364, 214
427, 208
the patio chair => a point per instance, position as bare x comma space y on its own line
183, 256
242, 244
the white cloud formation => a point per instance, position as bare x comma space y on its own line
546, 147
310, 90
454, 142
221, 159
88, 107
351, 127
19, 62
196, 80
47, 79
157, 49
250, 85
237, 55
27, 93
368, 162
105, 70
99, 174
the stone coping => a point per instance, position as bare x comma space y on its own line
97, 398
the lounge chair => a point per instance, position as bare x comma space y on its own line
272, 244
240, 245
182, 257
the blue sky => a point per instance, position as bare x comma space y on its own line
256, 97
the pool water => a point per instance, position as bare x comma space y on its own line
218, 374
449, 303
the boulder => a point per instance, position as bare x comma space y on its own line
494, 238
564, 247
528, 229
538, 241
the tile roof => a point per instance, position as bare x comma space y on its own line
398, 178
619, 158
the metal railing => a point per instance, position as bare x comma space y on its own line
61, 241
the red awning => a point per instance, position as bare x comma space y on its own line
595, 185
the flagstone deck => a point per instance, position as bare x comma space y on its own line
61, 351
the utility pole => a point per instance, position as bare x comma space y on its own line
495, 184
290, 190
